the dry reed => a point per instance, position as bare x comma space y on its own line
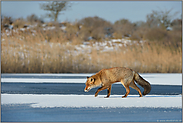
42, 53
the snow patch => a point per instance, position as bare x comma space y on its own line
115, 101
156, 79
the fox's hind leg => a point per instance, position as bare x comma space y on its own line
134, 86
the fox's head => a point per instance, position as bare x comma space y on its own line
90, 83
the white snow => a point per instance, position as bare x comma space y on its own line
108, 45
115, 101
30, 80
164, 78
47, 74
158, 79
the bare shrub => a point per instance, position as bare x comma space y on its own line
95, 27
72, 31
156, 34
19, 23
123, 28
177, 24
32, 19
7, 20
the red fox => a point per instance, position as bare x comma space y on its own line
106, 77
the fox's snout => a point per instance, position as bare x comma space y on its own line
87, 89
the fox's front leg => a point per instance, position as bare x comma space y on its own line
108, 91
100, 89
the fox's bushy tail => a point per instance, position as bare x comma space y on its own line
142, 82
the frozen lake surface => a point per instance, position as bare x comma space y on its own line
158, 79
23, 113
60, 97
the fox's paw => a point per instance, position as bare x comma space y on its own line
106, 97
123, 96
96, 95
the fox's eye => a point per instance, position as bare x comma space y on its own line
91, 80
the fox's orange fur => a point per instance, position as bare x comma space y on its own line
106, 77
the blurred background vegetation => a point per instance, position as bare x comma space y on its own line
33, 46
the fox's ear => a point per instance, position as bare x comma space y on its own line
87, 77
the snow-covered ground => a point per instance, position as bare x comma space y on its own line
158, 79
90, 100
115, 101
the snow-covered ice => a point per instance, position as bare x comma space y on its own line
156, 79
46, 100
67, 106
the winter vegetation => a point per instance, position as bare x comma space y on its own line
88, 45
